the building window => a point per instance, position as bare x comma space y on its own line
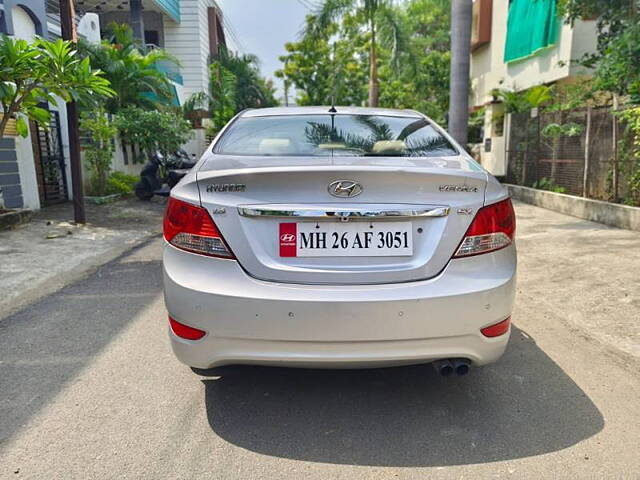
152, 37
532, 26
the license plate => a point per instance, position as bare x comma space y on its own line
349, 239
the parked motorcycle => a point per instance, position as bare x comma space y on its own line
161, 174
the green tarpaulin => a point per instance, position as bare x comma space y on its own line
532, 26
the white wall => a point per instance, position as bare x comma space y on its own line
27, 171
189, 42
89, 27
118, 161
488, 70
25, 29
23, 26
198, 144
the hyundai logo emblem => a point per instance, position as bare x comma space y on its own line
287, 237
345, 188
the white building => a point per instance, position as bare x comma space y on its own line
546, 61
34, 171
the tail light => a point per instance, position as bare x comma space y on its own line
189, 227
497, 329
493, 228
185, 331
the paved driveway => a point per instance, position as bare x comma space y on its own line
89, 388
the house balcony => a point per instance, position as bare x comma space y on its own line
168, 8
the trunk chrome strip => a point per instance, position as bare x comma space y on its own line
326, 213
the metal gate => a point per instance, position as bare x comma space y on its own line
50, 164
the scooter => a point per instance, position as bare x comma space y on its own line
161, 174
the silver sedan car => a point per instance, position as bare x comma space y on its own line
338, 238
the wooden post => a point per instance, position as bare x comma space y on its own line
587, 140
68, 27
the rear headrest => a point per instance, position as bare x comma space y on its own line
389, 147
274, 146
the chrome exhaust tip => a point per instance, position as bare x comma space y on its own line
443, 367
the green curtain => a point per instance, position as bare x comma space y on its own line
532, 26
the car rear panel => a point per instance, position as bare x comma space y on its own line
442, 186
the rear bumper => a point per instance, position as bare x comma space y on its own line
249, 321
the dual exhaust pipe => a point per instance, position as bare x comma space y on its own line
446, 368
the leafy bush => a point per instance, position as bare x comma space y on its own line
629, 149
99, 152
548, 184
32, 73
153, 130
120, 182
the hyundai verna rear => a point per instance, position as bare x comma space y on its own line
352, 238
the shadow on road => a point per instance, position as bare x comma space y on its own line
522, 406
46, 345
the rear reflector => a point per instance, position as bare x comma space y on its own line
493, 228
498, 329
185, 331
190, 228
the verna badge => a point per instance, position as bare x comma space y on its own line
345, 188
458, 188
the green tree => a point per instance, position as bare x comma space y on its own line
236, 84
223, 105
31, 73
335, 62
423, 81
132, 72
616, 64
382, 23
97, 126
251, 89
321, 70
153, 130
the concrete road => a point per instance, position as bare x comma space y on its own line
89, 388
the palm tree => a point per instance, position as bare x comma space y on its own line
132, 71
461, 15
251, 90
382, 22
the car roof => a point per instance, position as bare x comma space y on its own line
265, 112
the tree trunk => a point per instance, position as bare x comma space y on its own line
461, 14
374, 86
137, 23
3, 123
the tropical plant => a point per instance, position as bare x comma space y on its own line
517, 102
134, 73
99, 151
195, 108
382, 22
152, 130
32, 73
223, 95
236, 85
251, 90
616, 62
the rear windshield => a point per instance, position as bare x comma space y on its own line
334, 135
